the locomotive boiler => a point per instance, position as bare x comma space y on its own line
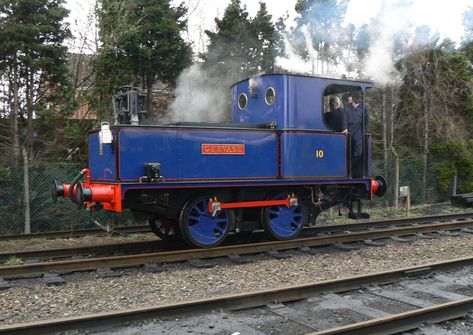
275, 167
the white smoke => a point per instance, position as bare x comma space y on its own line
436, 20
386, 20
292, 61
254, 83
389, 22
204, 96
200, 96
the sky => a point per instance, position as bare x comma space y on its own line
201, 15
392, 17
443, 16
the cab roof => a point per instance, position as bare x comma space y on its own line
342, 81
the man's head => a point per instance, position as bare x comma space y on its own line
334, 103
356, 97
346, 98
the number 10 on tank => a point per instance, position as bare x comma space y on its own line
319, 153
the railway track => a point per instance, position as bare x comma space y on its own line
380, 303
333, 235
121, 230
125, 230
159, 245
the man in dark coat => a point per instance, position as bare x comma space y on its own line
336, 118
357, 118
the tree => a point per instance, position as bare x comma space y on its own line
437, 93
33, 65
281, 30
264, 40
34, 75
321, 20
141, 44
468, 23
453, 159
229, 47
239, 48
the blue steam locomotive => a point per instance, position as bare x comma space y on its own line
276, 166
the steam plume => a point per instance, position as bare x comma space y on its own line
200, 96
376, 28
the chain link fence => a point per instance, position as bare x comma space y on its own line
410, 174
45, 215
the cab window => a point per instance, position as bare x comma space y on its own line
334, 104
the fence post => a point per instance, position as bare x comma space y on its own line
455, 180
396, 184
26, 190
404, 192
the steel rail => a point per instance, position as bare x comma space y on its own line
399, 221
100, 249
146, 229
251, 248
110, 248
77, 233
393, 324
229, 302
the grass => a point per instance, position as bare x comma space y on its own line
380, 213
13, 260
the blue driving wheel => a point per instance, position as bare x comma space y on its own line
200, 228
282, 222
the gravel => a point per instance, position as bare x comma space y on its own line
43, 243
182, 282
328, 217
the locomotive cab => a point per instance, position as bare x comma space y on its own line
298, 105
276, 166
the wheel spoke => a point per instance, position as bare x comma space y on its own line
194, 217
200, 227
202, 208
281, 222
165, 229
219, 229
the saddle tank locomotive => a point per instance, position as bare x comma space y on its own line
276, 166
